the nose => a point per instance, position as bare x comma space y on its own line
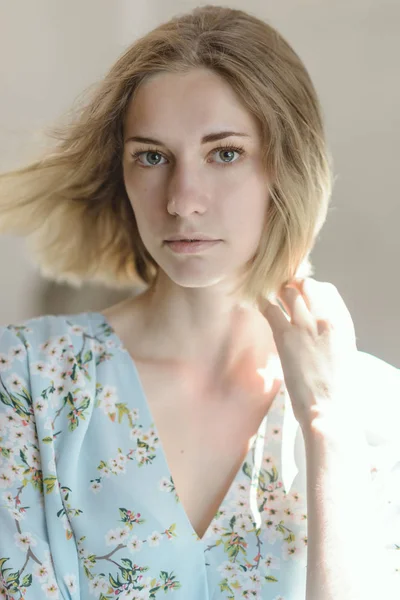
186, 192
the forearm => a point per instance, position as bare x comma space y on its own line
345, 555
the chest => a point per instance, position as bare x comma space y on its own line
205, 435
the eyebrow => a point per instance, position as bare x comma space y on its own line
211, 137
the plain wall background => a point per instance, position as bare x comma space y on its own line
51, 51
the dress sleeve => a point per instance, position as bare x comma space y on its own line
381, 409
26, 565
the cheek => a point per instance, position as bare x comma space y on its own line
246, 204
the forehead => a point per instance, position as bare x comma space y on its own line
192, 103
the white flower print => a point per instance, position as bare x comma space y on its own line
96, 347
215, 530
17, 352
223, 516
52, 370
18, 516
241, 505
52, 348
40, 407
8, 497
24, 540
270, 531
151, 438
15, 383
60, 385
107, 399
38, 368
289, 515
98, 585
272, 562
117, 465
51, 589
111, 537
243, 524
134, 413
165, 485
33, 458
110, 344
268, 462
228, 569
275, 434
154, 539
240, 489
70, 581
121, 459
95, 486
134, 544
122, 534
135, 432
41, 572
15, 470
9, 419
77, 329
293, 551
6, 478
105, 471
5, 362
251, 582
17, 438
140, 454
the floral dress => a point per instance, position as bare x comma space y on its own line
88, 507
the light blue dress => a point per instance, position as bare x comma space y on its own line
88, 507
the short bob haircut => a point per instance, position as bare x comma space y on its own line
71, 203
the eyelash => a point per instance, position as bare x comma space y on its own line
239, 149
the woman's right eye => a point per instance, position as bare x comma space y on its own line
151, 158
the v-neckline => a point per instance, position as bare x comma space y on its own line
163, 456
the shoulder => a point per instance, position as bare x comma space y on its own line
36, 337
44, 327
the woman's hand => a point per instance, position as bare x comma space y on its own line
317, 350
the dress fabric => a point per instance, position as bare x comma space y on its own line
88, 507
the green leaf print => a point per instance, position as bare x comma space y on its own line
2, 561
291, 538
27, 580
47, 440
50, 482
5, 452
115, 583
247, 470
88, 356
123, 410
127, 563
18, 406
271, 579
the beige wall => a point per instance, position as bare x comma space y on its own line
50, 51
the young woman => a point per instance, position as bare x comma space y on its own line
218, 435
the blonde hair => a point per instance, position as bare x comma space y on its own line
71, 203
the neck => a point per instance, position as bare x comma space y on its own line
194, 325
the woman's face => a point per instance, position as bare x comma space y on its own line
181, 180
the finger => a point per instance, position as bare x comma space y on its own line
275, 316
298, 310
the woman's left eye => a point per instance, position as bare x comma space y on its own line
226, 153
